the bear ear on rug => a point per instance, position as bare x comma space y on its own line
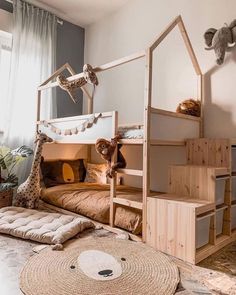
28, 192
106, 150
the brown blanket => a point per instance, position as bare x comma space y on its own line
93, 200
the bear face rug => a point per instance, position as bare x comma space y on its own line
100, 266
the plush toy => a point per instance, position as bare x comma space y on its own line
89, 76
221, 40
189, 107
106, 149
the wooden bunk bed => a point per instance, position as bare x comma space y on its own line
157, 123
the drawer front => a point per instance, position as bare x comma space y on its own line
171, 228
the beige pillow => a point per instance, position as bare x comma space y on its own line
96, 173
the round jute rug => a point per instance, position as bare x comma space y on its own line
99, 266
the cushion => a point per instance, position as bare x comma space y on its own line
41, 226
62, 171
96, 173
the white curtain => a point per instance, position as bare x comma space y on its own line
33, 61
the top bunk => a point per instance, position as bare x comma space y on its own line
165, 129
159, 127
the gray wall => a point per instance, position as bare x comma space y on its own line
6, 6
70, 48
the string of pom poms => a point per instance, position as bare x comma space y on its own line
75, 130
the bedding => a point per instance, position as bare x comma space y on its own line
131, 132
93, 200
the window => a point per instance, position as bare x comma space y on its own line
5, 62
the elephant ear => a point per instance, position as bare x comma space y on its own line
208, 36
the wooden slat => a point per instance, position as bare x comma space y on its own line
188, 46
201, 86
101, 68
131, 141
174, 114
38, 110
114, 179
66, 66
162, 36
128, 203
120, 61
146, 137
130, 172
167, 142
76, 118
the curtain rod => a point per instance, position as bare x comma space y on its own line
59, 21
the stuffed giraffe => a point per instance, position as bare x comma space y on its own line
28, 192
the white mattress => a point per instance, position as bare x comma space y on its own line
39, 226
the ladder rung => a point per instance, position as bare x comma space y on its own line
130, 172
128, 203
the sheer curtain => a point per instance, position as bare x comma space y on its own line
32, 62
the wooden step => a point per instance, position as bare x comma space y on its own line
133, 172
128, 203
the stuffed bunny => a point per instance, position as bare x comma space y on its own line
221, 40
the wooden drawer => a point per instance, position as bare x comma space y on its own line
6, 198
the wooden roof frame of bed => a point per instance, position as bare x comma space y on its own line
148, 111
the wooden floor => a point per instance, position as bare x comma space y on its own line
194, 280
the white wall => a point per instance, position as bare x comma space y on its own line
133, 28
5, 21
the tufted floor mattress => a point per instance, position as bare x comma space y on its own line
93, 200
40, 226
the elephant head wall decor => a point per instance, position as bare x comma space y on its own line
221, 40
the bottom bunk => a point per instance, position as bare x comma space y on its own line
93, 200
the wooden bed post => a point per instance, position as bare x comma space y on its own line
146, 142
196, 66
201, 98
113, 180
38, 109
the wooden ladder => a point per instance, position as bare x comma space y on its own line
114, 200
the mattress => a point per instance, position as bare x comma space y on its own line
93, 200
39, 226
131, 132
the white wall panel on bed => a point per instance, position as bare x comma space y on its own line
102, 128
173, 128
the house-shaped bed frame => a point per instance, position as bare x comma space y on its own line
157, 123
